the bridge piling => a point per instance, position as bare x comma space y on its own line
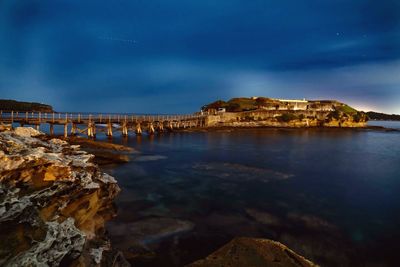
73, 129
109, 129
138, 129
170, 127
124, 129
90, 130
151, 128
94, 129
51, 129
160, 127
66, 130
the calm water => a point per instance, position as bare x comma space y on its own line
331, 195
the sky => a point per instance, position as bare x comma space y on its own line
157, 56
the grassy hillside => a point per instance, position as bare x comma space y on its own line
12, 105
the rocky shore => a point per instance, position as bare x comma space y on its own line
253, 252
54, 202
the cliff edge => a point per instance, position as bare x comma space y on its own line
54, 202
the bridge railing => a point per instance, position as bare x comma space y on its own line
85, 117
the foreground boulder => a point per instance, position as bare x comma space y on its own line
253, 252
53, 204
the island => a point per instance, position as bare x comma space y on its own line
263, 111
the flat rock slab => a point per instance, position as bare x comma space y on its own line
253, 252
27, 132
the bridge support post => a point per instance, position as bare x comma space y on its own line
66, 130
109, 129
91, 130
160, 127
94, 129
124, 129
151, 128
170, 126
138, 129
73, 129
51, 129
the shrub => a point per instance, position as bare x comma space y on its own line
216, 105
359, 116
233, 107
249, 118
334, 114
287, 117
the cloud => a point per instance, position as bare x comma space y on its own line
83, 56
179, 86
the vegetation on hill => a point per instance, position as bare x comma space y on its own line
347, 109
238, 104
12, 105
287, 117
382, 116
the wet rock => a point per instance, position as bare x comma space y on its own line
311, 221
239, 172
62, 239
5, 127
263, 217
145, 158
54, 202
252, 252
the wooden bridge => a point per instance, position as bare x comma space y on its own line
90, 124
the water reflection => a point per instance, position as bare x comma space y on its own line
329, 194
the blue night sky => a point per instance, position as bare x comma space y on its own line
157, 56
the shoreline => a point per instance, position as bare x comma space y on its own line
241, 128
105, 153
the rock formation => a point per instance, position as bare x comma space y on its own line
53, 204
253, 252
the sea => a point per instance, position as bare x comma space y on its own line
331, 195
